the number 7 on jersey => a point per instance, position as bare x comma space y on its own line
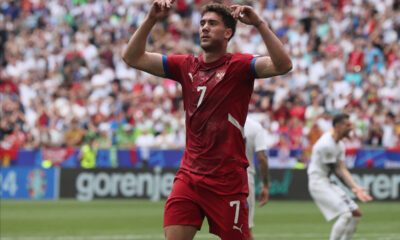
203, 91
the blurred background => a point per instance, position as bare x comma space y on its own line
77, 122
63, 80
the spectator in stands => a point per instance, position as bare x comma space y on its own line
375, 134
163, 141
18, 137
75, 135
177, 139
103, 138
125, 136
388, 129
88, 153
313, 135
5, 128
145, 141
31, 142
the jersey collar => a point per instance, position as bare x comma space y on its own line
214, 64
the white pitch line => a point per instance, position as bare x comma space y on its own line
366, 236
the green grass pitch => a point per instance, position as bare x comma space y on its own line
142, 219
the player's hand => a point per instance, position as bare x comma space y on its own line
264, 195
160, 8
361, 194
246, 14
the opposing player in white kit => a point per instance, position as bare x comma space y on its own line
328, 156
256, 142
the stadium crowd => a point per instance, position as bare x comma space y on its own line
63, 81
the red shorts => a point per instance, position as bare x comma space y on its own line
227, 215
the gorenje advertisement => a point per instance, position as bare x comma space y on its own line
85, 185
156, 183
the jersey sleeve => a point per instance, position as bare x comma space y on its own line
261, 140
253, 66
174, 66
246, 64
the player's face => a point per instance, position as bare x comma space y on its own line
213, 31
345, 128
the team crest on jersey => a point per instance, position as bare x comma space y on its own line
219, 75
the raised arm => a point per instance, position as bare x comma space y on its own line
278, 62
135, 54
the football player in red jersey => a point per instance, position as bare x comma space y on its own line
212, 180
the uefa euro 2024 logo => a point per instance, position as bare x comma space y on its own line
36, 183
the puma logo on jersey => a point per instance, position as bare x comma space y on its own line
238, 228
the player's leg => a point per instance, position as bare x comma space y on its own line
352, 225
182, 216
346, 224
251, 235
333, 202
180, 232
339, 228
227, 216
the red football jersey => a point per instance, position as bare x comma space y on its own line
216, 97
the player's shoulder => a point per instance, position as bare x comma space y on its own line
182, 57
250, 122
324, 142
252, 126
342, 146
242, 56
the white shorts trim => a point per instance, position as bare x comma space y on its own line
251, 199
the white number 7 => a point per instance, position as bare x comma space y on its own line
203, 91
237, 203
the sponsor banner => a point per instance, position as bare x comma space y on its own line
288, 184
383, 184
156, 183
28, 183
85, 185
292, 184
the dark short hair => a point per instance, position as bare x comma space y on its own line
339, 118
224, 12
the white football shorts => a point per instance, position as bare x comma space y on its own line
330, 198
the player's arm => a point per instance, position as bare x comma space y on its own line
332, 164
135, 54
360, 192
264, 174
278, 62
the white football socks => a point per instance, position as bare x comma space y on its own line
340, 226
351, 228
